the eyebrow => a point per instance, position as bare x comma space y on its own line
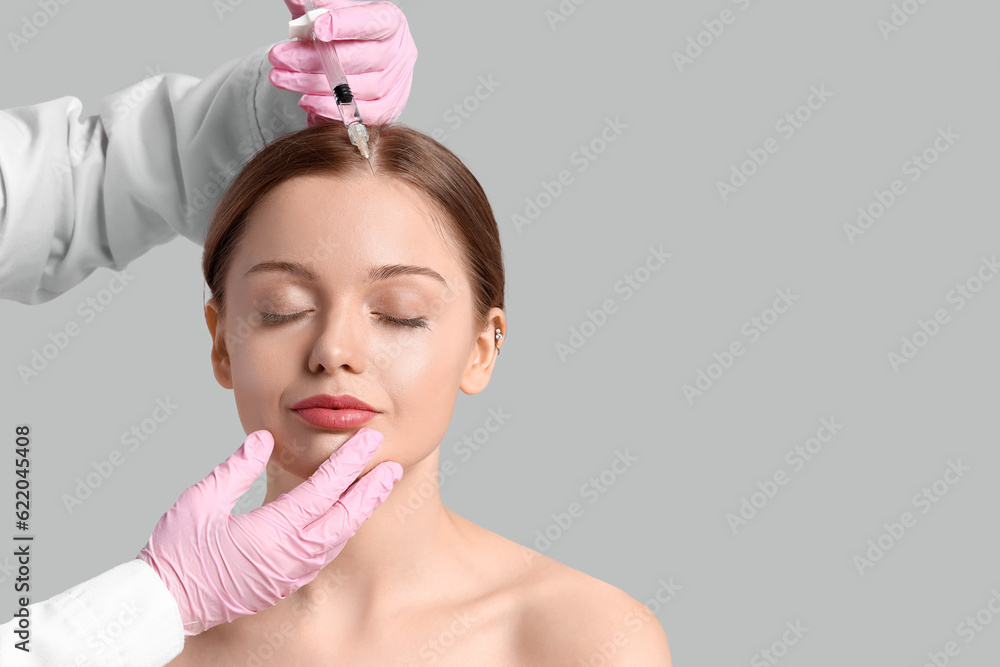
375, 274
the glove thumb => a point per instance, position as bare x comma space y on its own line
234, 476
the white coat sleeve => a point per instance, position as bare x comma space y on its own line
123, 617
81, 193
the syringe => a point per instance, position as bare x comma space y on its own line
302, 28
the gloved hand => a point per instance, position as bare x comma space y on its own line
220, 566
375, 48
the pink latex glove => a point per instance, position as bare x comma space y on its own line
220, 566
375, 48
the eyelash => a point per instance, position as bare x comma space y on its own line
270, 319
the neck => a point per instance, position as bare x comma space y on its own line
394, 559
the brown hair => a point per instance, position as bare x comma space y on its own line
397, 151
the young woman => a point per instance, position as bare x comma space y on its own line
383, 296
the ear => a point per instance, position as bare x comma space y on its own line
484, 353
220, 355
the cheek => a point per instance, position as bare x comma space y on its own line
421, 372
258, 373
422, 385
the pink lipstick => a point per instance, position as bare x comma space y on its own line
334, 412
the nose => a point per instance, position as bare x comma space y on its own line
341, 341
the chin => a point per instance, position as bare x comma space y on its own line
301, 451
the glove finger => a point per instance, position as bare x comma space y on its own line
364, 21
322, 109
355, 57
234, 476
261, 563
385, 83
310, 499
342, 521
312, 119
298, 8
382, 111
365, 87
381, 96
300, 82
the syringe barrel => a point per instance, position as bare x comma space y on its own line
348, 105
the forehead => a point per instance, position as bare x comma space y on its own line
342, 226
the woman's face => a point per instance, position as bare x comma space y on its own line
335, 335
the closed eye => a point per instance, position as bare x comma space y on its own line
415, 322
273, 318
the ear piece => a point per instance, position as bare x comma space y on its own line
498, 337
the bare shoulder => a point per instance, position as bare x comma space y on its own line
566, 616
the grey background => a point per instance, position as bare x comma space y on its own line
664, 519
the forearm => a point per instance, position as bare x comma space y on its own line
78, 194
125, 616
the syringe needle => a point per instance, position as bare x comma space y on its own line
302, 28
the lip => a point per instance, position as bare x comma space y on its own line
334, 412
340, 402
